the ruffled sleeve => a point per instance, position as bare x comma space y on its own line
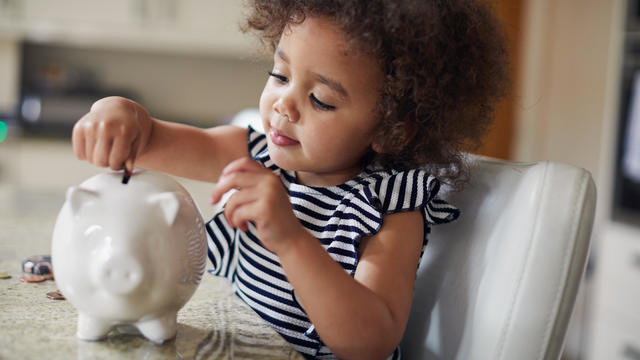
258, 151
361, 210
409, 191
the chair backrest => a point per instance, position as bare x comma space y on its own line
501, 281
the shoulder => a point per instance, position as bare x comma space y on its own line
406, 224
399, 239
391, 191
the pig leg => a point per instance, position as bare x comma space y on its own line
160, 329
92, 328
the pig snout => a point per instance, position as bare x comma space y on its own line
119, 274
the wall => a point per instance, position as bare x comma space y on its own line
561, 105
566, 108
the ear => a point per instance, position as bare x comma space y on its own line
410, 129
169, 205
78, 197
378, 144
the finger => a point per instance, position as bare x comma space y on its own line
242, 164
128, 165
78, 141
236, 201
229, 179
135, 150
118, 154
101, 151
89, 142
243, 215
122, 151
236, 180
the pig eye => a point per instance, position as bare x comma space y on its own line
92, 232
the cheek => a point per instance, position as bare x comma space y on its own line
267, 99
326, 141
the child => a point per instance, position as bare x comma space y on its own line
333, 204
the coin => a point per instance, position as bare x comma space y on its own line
32, 278
5, 276
47, 276
55, 295
37, 264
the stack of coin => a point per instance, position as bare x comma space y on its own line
38, 269
55, 295
38, 265
30, 278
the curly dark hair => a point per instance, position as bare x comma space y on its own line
445, 66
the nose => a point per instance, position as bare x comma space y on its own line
286, 107
120, 274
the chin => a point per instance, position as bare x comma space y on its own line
283, 164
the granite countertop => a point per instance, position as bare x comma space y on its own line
214, 324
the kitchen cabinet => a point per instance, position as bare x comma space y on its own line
188, 26
9, 59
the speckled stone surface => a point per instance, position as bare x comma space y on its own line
214, 324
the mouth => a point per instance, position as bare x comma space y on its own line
279, 139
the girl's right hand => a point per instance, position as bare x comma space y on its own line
114, 132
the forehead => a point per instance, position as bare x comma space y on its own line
320, 43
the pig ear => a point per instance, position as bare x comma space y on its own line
77, 197
169, 204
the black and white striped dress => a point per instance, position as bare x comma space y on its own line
338, 217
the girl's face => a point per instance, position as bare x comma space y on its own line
318, 106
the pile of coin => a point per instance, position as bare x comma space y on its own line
55, 295
30, 278
37, 265
38, 269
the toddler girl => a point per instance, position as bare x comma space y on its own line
366, 100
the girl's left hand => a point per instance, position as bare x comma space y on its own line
261, 199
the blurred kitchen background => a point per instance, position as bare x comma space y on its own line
574, 65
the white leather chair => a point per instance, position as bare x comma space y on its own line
501, 281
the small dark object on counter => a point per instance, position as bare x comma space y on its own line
32, 278
55, 295
5, 276
48, 276
126, 177
38, 265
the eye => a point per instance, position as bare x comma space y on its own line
319, 104
279, 78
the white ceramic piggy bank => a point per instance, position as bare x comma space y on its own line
128, 254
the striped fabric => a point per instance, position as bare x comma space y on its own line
338, 217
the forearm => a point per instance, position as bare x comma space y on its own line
349, 317
191, 152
